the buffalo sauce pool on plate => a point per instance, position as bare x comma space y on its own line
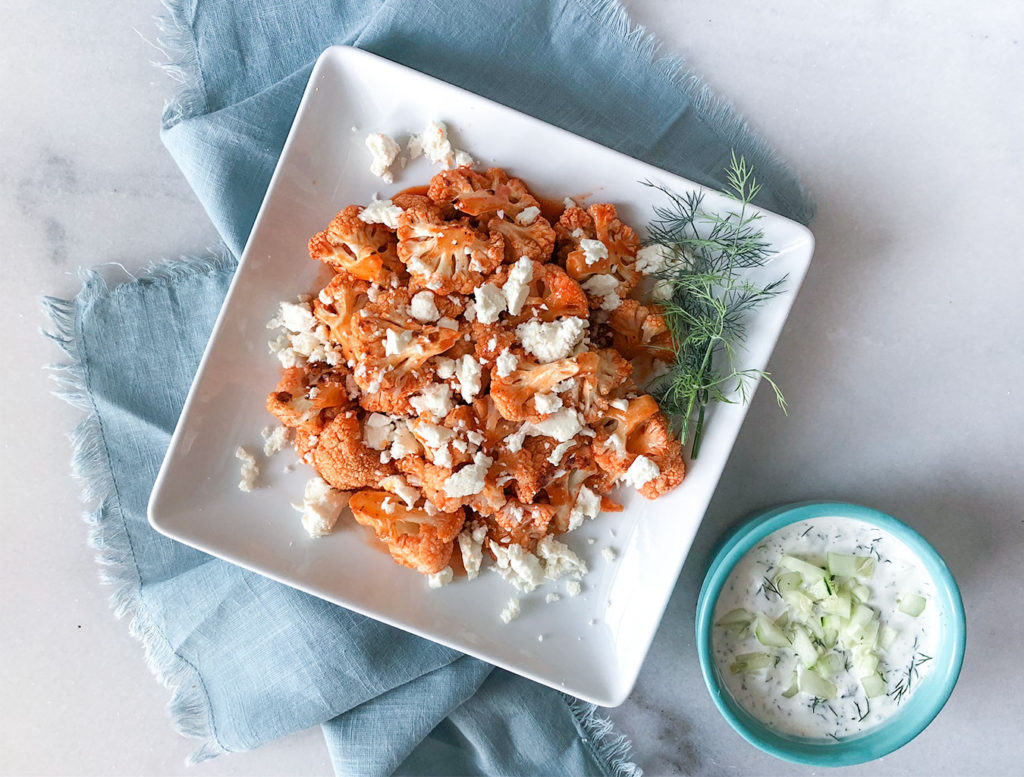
772, 682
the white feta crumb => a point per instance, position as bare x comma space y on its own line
442, 456
559, 560
397, 485
653, 258
517, 288
547, 403
588, 505
468, 372
506, 363
471, 546
566, 385
403, 442
321, 505
463, 159
275, 438
304, 339
434, 436
440, 579
445, 368
381, 212
396, 342
383, 151
511, 611
378, 430
474, 437
460, 446
569, 202
470, 312
448, 323
641, 472
620, 404
248, 470
515, 440
552, 597
518, 566
611, 302
489, 303
551, 340
423, 308
388, 505
528, 216
609, 554
561, 426
574, 588
560, 450
470, 479
435, 400
434, 143
540, 637
594, 251
605, 286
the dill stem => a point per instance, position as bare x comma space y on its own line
699, 396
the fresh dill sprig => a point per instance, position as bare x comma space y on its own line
708, 298
902, 688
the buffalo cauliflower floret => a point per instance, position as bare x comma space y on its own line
640, 429
535, 240
620, 244
550, 294
482, 195
416, 538
639, 333
343, 459
365, 251
515, 395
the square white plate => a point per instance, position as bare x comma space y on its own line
594, 644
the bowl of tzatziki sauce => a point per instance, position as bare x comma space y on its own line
829, 633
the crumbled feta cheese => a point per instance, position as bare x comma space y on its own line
550, 341
547, 403
460, 446
515, 512
470, 312
381, 212
388, 505
397, 485
474, 437
396, 342
383, 151
566, 385
423, 308
378, 430
442, 456
611, 302
440, 579
516, 439
490, 303
559, 560
511, 611
433, 435
562, 426
573, 588
321, 505
609, 554
620, 404
470, 479
653, 258
517, 288
275, 438
448, 323
569, 202
445, 368
506, 363
528, 216
552, 597
605, 286
434, 143
304, 339
559, 451
518, 566
471, 545
594, 251
435, 400
248, 470
588, 505
641, 472
468, 372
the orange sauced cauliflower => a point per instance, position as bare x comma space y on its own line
472, 374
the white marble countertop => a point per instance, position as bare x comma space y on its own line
902, 360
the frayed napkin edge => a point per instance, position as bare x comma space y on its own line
609, 747
189, 707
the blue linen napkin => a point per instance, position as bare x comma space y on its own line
250, 660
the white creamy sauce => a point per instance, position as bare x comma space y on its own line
903, 665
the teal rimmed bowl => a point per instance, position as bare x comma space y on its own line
912, 718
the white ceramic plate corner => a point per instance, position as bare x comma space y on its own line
593, 644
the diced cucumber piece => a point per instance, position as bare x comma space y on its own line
783, 620
768, 633
813, 625
831, 622
789, 581
802, 605
862, 593
830, 638
733, 617
861, 615
865, 566
818, 590
793, 688
750, 662
829, 665
873, 685
912, 604
809, 572
848, 565
804, 647
865, 662
886, 637
841, 604
869, 637
813, 683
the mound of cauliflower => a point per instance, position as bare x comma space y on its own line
472, 374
